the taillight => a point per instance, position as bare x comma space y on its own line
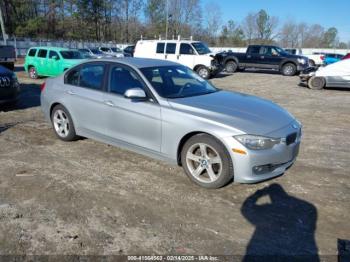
322, 57
42, 86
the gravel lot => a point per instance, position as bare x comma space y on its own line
86, 197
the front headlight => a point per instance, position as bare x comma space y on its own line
301, 61
257, 142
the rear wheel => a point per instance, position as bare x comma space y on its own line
312, 63
33, 74
316, 83
231, 67
206, 161
289, 69
63, 124
203, 72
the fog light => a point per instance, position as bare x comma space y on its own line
259, 170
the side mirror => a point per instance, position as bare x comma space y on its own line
55, 57
135, 93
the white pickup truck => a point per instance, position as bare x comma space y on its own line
314, 60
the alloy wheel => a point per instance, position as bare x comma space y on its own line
204, 162
61, 123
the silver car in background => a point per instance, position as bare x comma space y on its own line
166, 111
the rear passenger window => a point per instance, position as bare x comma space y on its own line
170, 48
91, 76
42, 53
32, 52
123, 79
254, 49
160, 48
72, 78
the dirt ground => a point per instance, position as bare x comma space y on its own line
89, 198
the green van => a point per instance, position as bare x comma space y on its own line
50, 61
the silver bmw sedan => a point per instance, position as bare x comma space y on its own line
164, 110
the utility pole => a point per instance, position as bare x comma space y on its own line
167, 18
4, 36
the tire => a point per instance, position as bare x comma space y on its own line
231, 67
193, 159
289, 69
316, 83
312, 63
203, 72
64, 131
33, 73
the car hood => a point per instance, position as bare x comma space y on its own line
72, 62
341, 68
5, 72
249, 114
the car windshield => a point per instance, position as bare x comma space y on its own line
71, 55
116, 49
201, 48
96, 51
177, 81
281, 50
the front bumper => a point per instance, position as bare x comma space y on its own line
273, 162
10, 94
215, 68
306, 74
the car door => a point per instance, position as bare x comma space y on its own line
84, 91
53, 63
270, 57
186, 55
41, 62
251, 58
135, 122
170, 52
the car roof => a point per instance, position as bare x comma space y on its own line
51, 48
170, 41
137, 62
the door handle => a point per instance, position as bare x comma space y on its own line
70, 92
249, 56
108, 103
262, 57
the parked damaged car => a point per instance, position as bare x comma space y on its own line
333, 75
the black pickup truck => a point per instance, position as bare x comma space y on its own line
264, 57
7, 56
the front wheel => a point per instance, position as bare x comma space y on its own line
316, 83
206, 161
203, 72
289, 69
63, 124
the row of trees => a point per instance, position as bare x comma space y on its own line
126, 20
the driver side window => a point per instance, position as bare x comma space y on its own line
122, 79
186, 49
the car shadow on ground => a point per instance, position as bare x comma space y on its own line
260, 71
18, 68
5, 127
28, 97
284, 226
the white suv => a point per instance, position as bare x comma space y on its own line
193, 54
